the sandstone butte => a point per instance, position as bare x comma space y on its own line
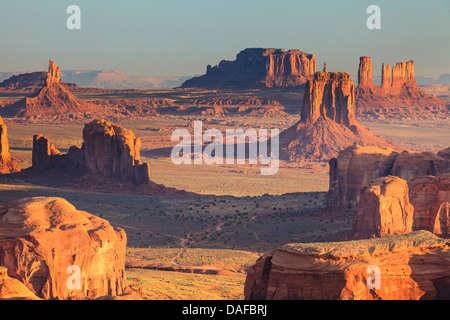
258, 68
6, 164
390, 205
327, 124
397, 96
356, 167
52, 99
108, 150
40, 238
412, 266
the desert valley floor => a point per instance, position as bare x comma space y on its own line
237, 214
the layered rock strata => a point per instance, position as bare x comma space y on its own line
404, 267
258, 67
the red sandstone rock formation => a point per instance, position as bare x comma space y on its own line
327, 123
52, 99
365, 72
42, 237
258, 67
384, 209
108, 150
397, 97
114, 151
412, 267
6, 164
13, 289
430, 197
356, 167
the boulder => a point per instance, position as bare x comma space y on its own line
59, 252
402, 267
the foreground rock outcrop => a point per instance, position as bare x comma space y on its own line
53, 99
6, 164
108, 150
258, 67
59, 252
398, 95
13, 289
411, 267
357, 166
327, 123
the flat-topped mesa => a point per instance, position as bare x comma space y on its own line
365, 72
330, 95
6, 164
258, 67
52, 74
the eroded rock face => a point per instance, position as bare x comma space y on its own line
330, 95
430, 197
6, 164
40, 238
398, 95
258, 67
108, 150
327, 123
384, 209
412, 266
365, 72
356, 167
13, 289
114, 151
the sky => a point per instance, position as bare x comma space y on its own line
181, 37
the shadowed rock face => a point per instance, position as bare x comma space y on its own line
42, 237
258, 67
108, 150
327, 123
412, 267
6, 164
356, 167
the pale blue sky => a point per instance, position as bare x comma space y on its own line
180, 37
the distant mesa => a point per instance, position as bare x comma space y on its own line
258, 68
328, 122
53, 98
6, 164
397, 96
